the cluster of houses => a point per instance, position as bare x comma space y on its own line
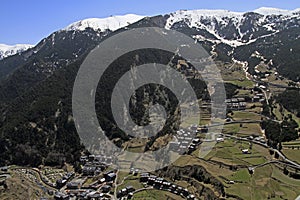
185, 141
264, 75
258, 97
236, 104
202, 129
96, 159
61, 196
134, 171
162, 184
94, 164
84, 195
75, 189
96, 190
240, 103
62, 181
127, 191
257, 92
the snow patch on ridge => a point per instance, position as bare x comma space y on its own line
112, 23
194, 16
275, 11
9, 50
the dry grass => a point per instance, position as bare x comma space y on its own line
293, 154
19, 187
245, 115
250, 129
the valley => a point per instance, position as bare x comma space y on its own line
254, 150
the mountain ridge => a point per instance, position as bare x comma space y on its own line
127, 19
9, 50
112, 23
115, 22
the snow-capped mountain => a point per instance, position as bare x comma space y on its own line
232, 28
223, 30
66, 45
8, 50
110, 23
235, 28
275, 11
273, 33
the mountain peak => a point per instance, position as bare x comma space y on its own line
112, 23
205, 12
9, 50
274, 11
194, 16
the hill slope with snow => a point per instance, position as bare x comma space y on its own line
235, 28
110, 23
8, 50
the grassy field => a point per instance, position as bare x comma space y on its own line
231, 128
241, 176
295, 143
250, 129
229, 152
242, 92
121, 176
131, 182
232, 72
246, 129
293, 154
189, 121
278, 175
211, 168
256, 109
266, 182
125, 179
244, 115
243, 83
243, 129
155, 194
